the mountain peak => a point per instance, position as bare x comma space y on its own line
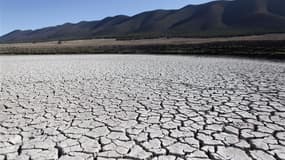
216, 18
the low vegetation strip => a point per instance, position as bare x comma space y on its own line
251, 46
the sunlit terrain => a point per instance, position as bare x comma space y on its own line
141, 107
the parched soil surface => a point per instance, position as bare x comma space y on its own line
141, 107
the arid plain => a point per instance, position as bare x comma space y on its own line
141, 107
257, 44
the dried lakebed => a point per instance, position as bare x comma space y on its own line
141, 107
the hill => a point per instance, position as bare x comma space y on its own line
217, 18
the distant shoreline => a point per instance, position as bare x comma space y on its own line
270, 46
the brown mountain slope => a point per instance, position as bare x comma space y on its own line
217, 18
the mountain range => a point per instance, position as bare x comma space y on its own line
216, 18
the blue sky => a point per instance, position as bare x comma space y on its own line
34, 14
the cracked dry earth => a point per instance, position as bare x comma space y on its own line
141, 107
